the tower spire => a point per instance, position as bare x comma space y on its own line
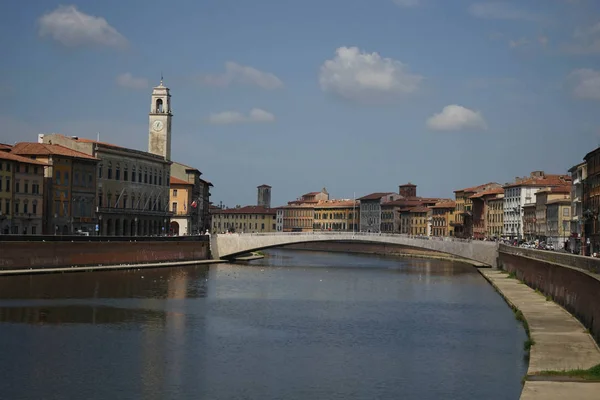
161, 77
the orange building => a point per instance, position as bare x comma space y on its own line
463, 212
442, 214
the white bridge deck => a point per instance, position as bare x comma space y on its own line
235, 244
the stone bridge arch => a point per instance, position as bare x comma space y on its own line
226, 246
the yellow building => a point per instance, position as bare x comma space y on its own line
248, 219
442, 214
182, 206
495, 217
463, 212
336, 215
418, 221
21, 194
298, 217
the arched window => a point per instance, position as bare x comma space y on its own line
159, 105
146, 175
133, 174
100, 170
155, 177
125, 173
100, 203
140, 175
118, 172
124, 200
109, 174
133, 201
109, 200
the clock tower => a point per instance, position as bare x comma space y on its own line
159, 138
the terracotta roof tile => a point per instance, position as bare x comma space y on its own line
177, 181
547, 180
375, 196
15, 157
445, 204
488, 193
84, 140
562, 201
478, 188
5, 146
419, 209
42, 149
246, 210
336, 203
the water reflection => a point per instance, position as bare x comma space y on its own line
296, 325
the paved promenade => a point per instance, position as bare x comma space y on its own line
561, 342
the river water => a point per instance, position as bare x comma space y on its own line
296, 325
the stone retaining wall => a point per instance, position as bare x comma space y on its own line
574, 288
26, 255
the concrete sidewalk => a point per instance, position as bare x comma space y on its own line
561, 341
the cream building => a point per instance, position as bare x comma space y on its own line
249, 219
558, 220
336, 215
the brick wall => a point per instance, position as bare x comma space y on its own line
24, 255
576, 289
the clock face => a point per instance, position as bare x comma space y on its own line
157, 126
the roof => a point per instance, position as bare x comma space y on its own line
17, 158
375, 196
445, 204
177, 181
566, 189
4, 146
311, 194
488, 193
557, 201
547, 180
478, 188
419, 209
42, 149
84, 140
576, 167
336, 203
263, 185
245, 210
408, 184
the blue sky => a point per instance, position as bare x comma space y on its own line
355, 95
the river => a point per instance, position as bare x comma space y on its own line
295, 325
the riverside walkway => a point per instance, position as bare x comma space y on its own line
561, 343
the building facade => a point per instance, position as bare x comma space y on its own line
69, 188
463, 213
279, 219
132, 196
197, 213
249, 219
298, 217
591, 204
578, 177
419, 221
336, 215
495, 217
558, 220
529, 221
522, 192
371, 208
264, 196
542, 198
182, 216
480, 203
21, 194
442, 214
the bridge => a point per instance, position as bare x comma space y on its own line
224, 246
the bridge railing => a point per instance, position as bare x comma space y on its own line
361, 234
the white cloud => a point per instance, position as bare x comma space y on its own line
501, 10
245, 75
357, 75
585, 41
73, 28
407, 3
585, 83
455, 117
256, 115
129, 81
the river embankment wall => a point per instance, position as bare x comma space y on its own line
569, 280
16, 255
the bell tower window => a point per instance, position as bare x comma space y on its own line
159, 105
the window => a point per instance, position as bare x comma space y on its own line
7, 205
34, 208
174, 207
109, 173
155, 177
34, 230
26, 168
66, 178
565, 212
16, 208
100, 199
57, 178
0, 187
174, 192
125, 173
26, 187
145, 175
118, 172
35, 170
8, 183
160, 180
65, 209
8, 167
133, 174
25, 208
1, 164
99, 171
140, 175
17, 186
